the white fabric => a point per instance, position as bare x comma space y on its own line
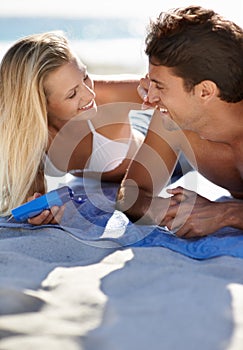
50, 169
107, 154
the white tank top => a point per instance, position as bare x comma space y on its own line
106, 155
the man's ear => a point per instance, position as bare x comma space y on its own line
207, 90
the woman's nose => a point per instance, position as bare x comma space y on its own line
87, 92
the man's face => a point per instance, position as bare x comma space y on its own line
167, 91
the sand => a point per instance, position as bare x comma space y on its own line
58, 293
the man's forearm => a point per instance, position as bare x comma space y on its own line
133, 202
140, 206
233, 214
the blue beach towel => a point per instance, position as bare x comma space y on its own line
97, 223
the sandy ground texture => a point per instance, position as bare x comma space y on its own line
57, 293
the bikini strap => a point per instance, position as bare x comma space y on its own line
91, 126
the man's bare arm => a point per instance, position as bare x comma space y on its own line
147, 175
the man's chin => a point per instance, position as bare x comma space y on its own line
168, 123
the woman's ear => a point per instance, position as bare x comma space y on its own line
207, 90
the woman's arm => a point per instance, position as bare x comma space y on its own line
39, 185
120, 88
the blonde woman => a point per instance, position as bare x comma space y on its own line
43, 85
46, 102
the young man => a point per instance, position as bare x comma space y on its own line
195, 84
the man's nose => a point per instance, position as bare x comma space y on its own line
153, 95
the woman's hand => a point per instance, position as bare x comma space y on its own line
48, 216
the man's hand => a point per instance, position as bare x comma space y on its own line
142, 89
191, 215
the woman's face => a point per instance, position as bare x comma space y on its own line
69, 92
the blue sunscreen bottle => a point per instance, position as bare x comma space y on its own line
56, 197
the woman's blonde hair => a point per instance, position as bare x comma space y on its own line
23, 114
